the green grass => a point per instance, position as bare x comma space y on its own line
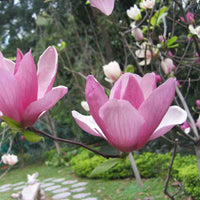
126, 189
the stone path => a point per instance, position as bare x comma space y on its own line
60, 189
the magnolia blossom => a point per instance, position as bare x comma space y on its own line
85, 106
135, 113
147, 4
198, 103
189, 16
112, 71
134, 13
26, 93
194, 31
145, 53
136, 32
9, 159
105, 6
167, 65
158, 78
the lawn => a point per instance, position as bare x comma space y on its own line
125, 189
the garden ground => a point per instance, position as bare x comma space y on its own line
125, 189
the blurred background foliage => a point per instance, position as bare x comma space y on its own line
86, 40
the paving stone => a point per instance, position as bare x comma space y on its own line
79, 184
59, 180
52, 188
17, 184
78, 189
5, 189
60, 190
61, 195
48, 179
69, 182
90, 198
5, 186
44, 185
81, 195
19, 188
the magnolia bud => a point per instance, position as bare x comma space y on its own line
134, 13
112, 71
85, 105
167, 65
136, 32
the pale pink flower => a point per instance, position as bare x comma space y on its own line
112, 71
25, 94
136, 112
134, 13
194, 31
167, 65
147, 4
136, 32
9, 159
105, 6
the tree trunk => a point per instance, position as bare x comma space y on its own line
135, 170
197, 150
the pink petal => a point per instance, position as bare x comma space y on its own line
123, 123
174, 116
10, 95
105, 6
128, 89
18, 60
36, 108
95, 97
88, 124
154, 108
148, 84
47, 69
26, 76
6, 63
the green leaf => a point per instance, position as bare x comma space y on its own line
43, 21
105, 166
32, 137
171, 41
14, 125
156, 19
130, 68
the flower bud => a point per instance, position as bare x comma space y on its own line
198, 103
136, 32
147, 4
190, 18
85, 105
9, 159
167, 65
134, 13
185, 127
158, 78
112, 71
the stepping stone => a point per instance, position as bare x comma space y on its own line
19, 188
79, 184
5, 189
61, 195
90, 198
5, 186
69, 182
60, 190
17, 184
78, 189
59, 180
81, 195
48, 179
47, 185
52, 188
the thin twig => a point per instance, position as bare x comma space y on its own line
73, 142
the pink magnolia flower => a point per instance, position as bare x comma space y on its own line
158, 78
185, 127
9, 159
198, 103
136, 112
136, 32
105, 6
134, 13
147, 4
167, 65
25, 93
